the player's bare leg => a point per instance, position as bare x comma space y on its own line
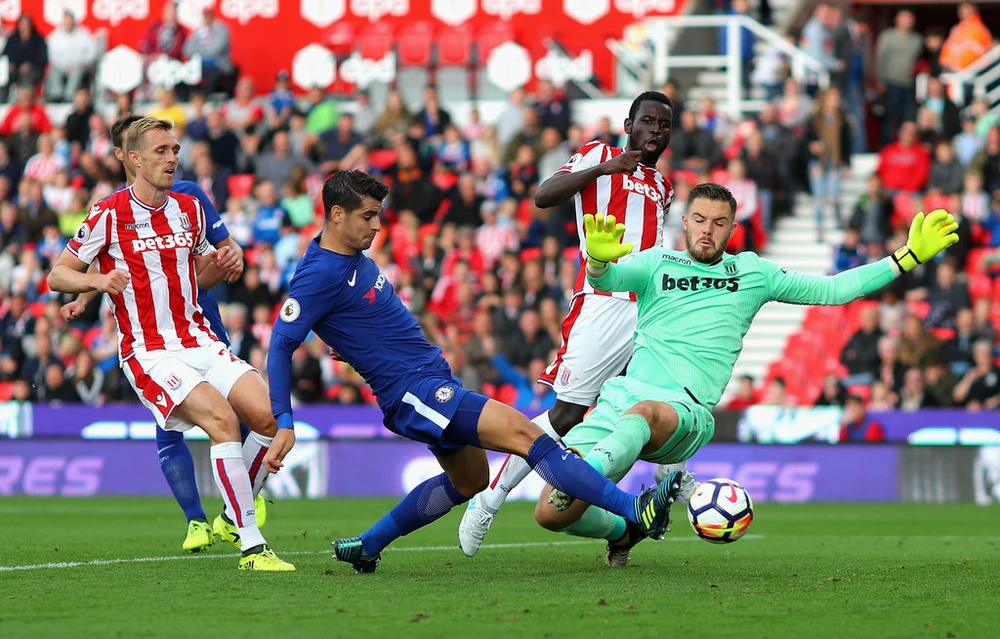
245, 399
478, 517
207, 407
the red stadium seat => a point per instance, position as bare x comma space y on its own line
529, 254
974, 263
980, 286
904, 208
414, 45
919, 308
682, 175
720, 176
6, 391
454, 47
934, 201
862, 391
507, 394
382, 158
490, 37
375, 41
943, 334
339, 38
240, 185
37, 308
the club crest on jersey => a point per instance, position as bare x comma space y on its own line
290, 310
174, 382
564, 374
185, 222
444, 394
731, 268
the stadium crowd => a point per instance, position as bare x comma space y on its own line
488, 273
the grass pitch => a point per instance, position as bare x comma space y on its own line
112, 567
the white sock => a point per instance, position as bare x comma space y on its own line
234, 483
254, 449
513, 472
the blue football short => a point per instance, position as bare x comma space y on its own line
437, 411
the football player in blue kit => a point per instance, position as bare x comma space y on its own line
339, 292
175, 456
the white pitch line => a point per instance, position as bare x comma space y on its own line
62, 565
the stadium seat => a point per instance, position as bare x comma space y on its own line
682, 175
507, 394
382, 158
6, 391
454, 47
862, 391
375, 41
943, 334
974, 263
934, 201
720, 176
415, 44
529, 254
490, 37
904, 208
919, 308
240, 185
340, 38
980, 286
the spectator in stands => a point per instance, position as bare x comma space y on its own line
794, 107
276, 166
981, 313
987, 161
897, 51
940, 383
530, 135
946, 174
555, 153
933, 41
225, 145
968, 40
34, 213
26, 53
307, 377
322, 114
211, 42
392, 121
946, 298
243, 112
861, 353
521, 173
164, 36
745, 42
986, 119
241, 339
850, 253
412, 190
78, 121
337, 143
873, 213
745, 396
692, 147
770, 71
433, 117
530, 342
905, 164
761, 168
44, 165
828, 135
13, 232
938, 102
270, 217
26, 106
980, 387
817, 38
975, 202
890, 368
856, 425
55, 389
776, 393
929, 128
465, 204
553, 107
280, 102
914, 396
916, 345
957, 351
967, 143
832, 393
452, 151
747, 201
72, 54
882, 397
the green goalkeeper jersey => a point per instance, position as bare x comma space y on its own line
693, 316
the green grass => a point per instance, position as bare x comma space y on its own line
839, 570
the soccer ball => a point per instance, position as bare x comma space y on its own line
720, 511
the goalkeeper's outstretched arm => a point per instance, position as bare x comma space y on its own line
928, 236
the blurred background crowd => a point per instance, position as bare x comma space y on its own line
488, 274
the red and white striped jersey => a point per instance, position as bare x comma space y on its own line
158, 310
639, 201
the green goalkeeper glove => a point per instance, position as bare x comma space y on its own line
928, 236
604, 239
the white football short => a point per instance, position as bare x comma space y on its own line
163, 379
596, 346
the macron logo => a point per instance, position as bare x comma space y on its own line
641, 188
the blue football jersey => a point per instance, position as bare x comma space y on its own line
349, 303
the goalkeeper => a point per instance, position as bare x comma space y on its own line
694, 309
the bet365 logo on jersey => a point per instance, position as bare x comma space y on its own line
696, 283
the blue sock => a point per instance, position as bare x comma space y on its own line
427, 502
178, 468
574, 476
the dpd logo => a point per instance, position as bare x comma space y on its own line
506, 9
116, 11
244, 11
375, 9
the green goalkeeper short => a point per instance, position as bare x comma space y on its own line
695, 426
